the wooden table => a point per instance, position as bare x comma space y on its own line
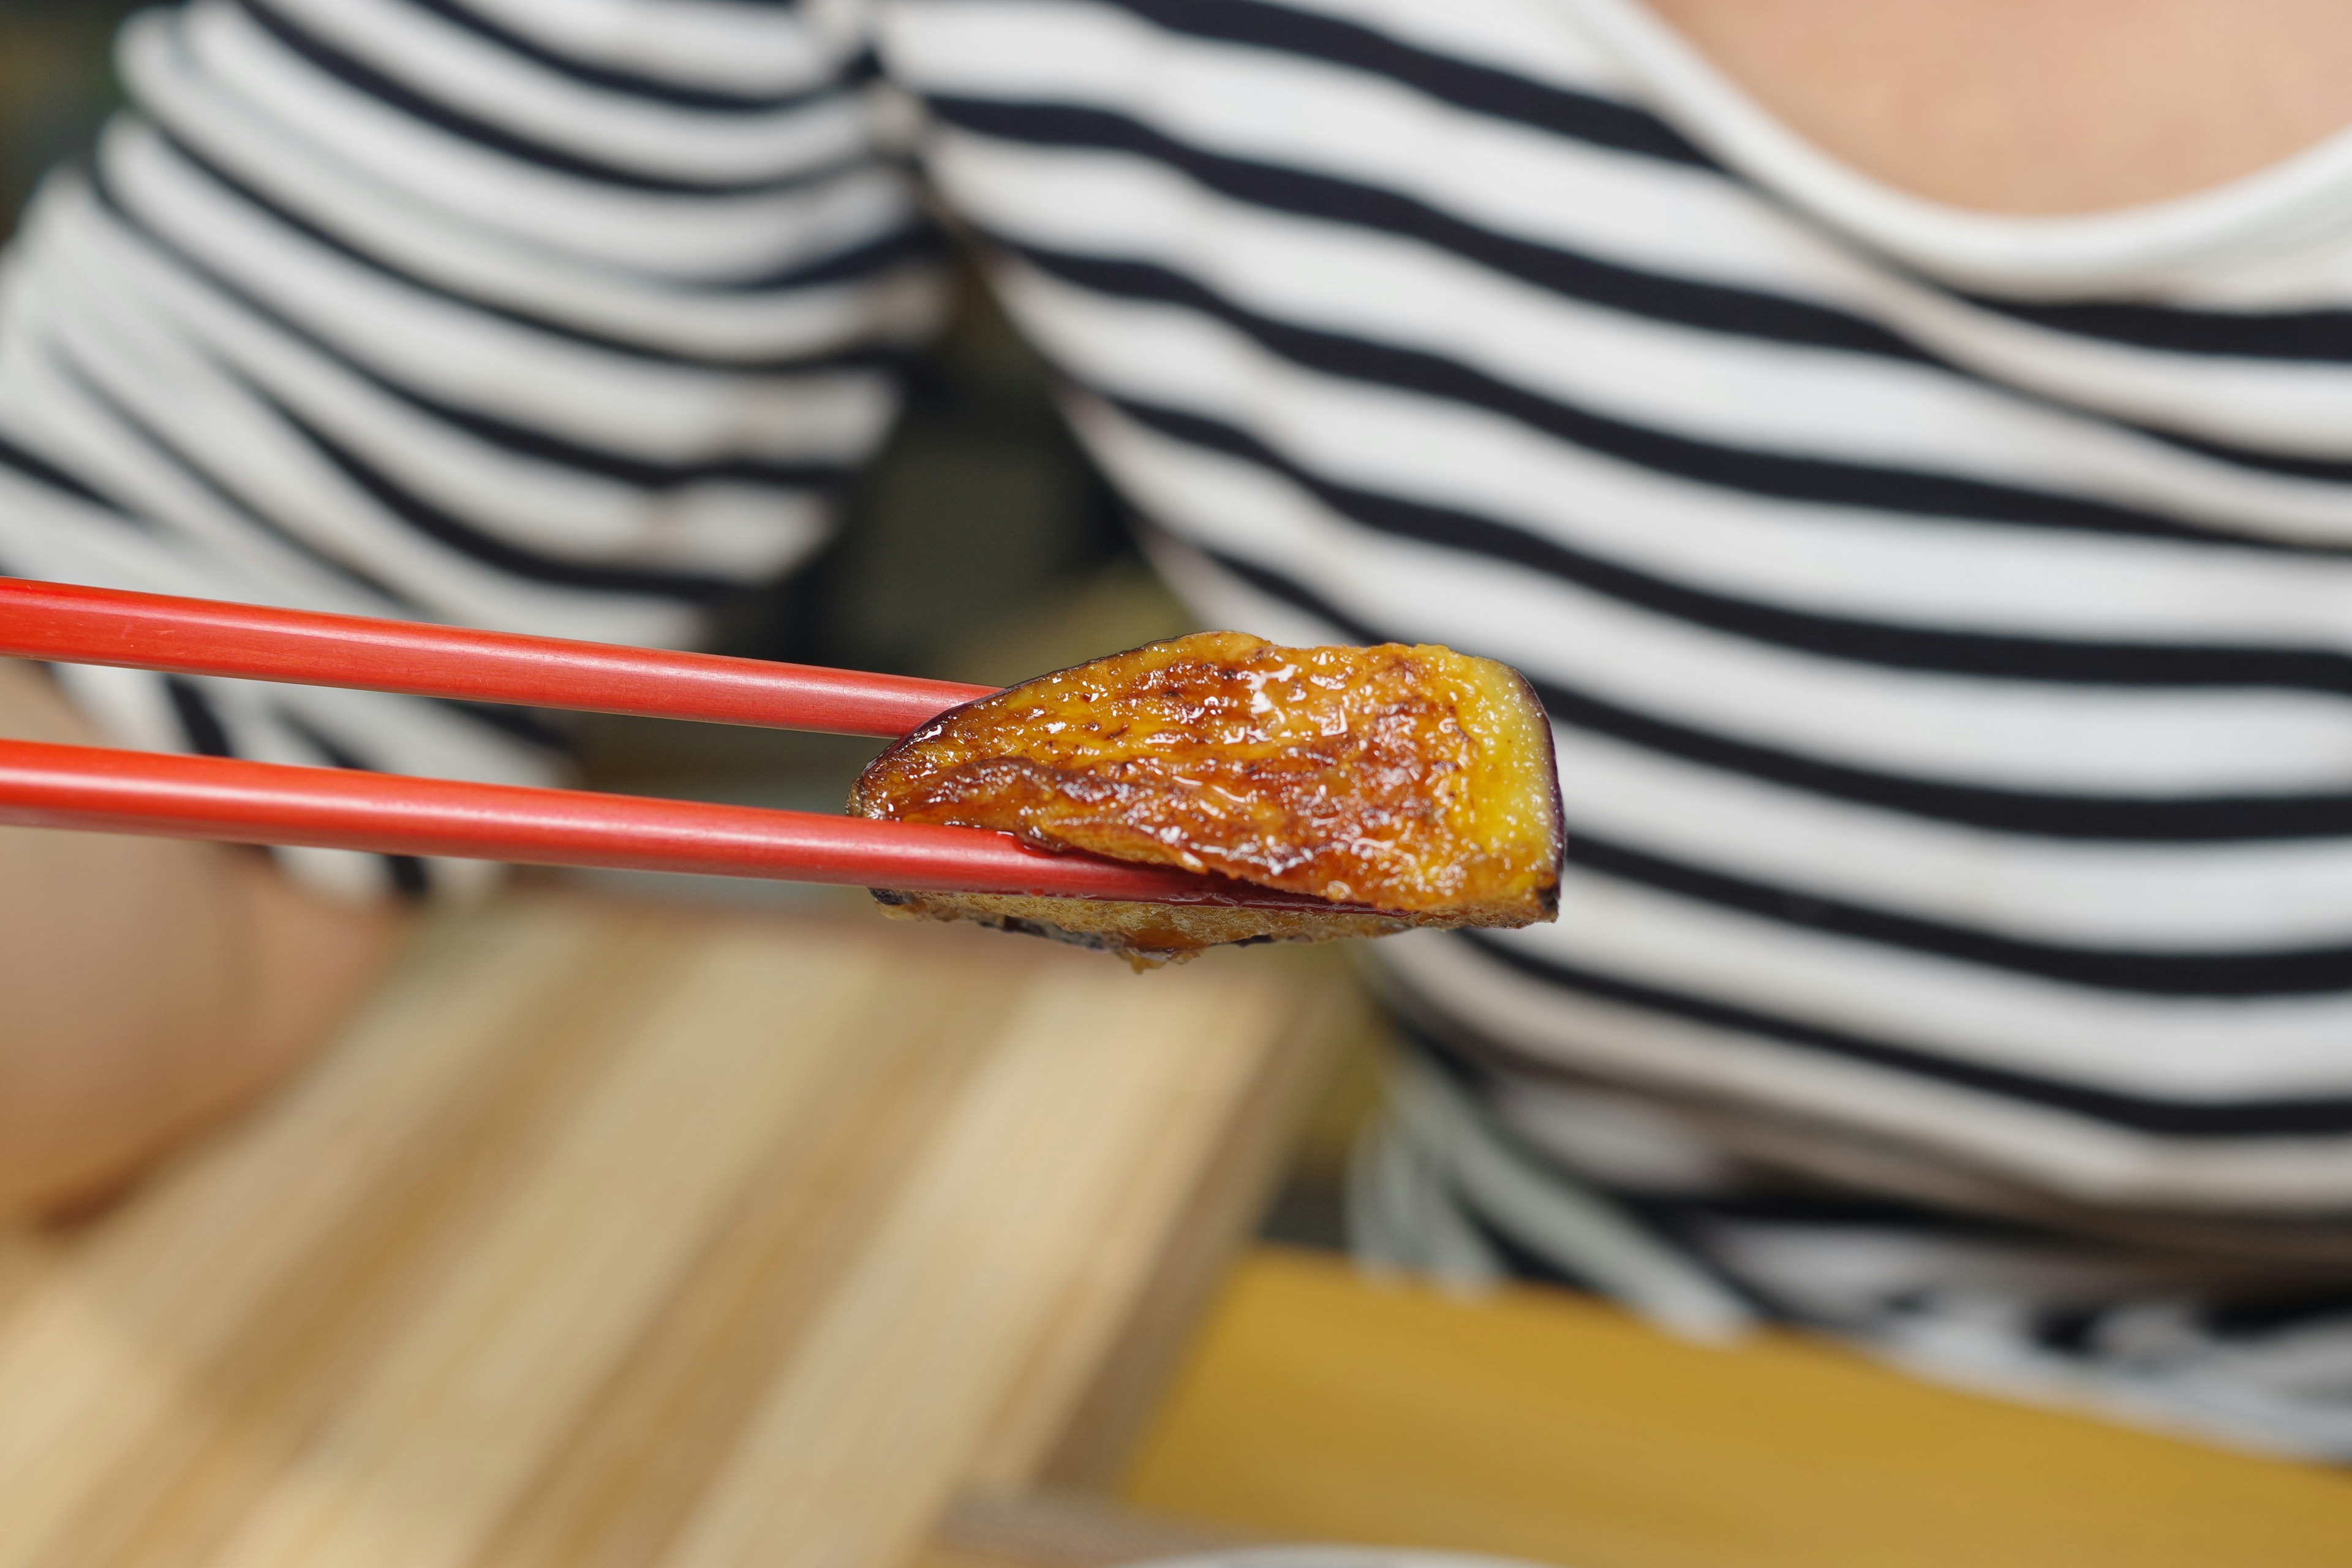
638, 1236
630, 1236
1319, 1404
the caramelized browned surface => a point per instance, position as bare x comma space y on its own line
1414, 781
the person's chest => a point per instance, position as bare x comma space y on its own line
2039, 106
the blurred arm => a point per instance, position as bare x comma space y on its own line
147, 987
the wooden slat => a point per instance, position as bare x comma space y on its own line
1012, 1214
619, 1487
266, 1269
615, 1234
1074, 1413
26, 1258
1319, 1405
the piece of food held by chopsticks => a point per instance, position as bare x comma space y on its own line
1407, 786
1253, 792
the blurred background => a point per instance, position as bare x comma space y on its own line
981, 546
56, 87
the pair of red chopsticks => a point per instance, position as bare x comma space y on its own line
90, 787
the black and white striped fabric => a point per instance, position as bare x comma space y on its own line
559, 318
1944, 618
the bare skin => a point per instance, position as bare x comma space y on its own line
147, 988
2039, 107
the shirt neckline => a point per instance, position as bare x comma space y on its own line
2271, 209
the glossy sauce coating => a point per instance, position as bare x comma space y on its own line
1405, 779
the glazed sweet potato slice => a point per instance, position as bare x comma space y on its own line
1405, 787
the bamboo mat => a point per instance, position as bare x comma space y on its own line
637, 1237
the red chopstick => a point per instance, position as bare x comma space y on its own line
224, 799
172, 796
70, 625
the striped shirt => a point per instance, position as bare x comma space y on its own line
1943, 617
